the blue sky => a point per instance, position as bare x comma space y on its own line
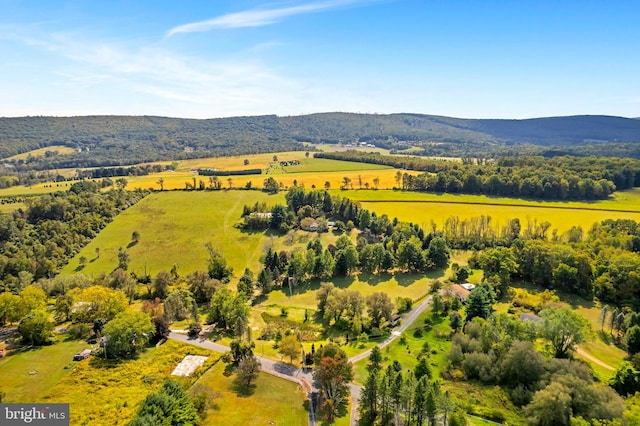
219, 58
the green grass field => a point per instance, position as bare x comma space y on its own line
273, 399
48, 365
309, 165
628, 200
174, 227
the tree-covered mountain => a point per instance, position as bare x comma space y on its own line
120, 140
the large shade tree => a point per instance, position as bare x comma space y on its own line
127, 334
564, 329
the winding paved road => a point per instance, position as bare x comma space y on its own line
304, 377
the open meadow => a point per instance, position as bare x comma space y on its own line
48, 374
174, 227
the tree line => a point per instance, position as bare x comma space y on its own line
35, 243
557, 178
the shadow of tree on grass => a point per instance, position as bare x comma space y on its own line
242, 389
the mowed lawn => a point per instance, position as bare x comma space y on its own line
174, 227
414, 286
406, 349
28, 374
272, 400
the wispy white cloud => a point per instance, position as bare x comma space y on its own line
260, 17
157, 79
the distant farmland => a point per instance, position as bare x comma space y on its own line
423, 208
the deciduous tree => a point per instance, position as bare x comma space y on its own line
290, 346
564, 329
379, 307
333, 371
35, 328
128, 333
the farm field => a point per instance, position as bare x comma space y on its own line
306, 173
263, 161
628, 200
326, 147
272, 399
11, 207
40, 152
174, 227
316, 176
424, 213
423, 208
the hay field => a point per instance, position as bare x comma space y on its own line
422, 208
309, 179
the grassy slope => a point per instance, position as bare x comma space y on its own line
61, 149
406, 352
174, 228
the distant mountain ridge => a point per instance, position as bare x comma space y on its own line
111, 140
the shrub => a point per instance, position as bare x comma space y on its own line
78, 331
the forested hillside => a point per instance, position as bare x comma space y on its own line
122, 140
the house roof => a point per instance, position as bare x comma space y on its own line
529, 317
460, 291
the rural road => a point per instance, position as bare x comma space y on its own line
304, 377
